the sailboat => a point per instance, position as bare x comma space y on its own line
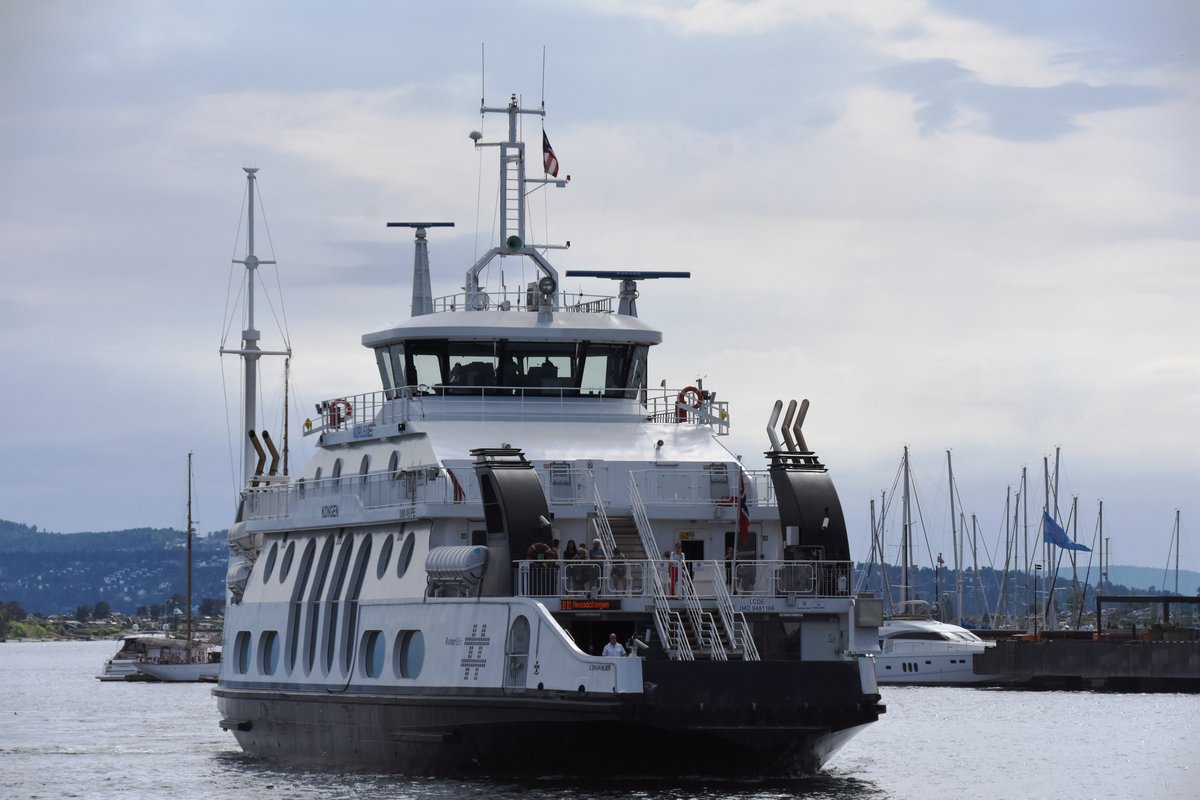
190, 660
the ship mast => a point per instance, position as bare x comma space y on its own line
249, 350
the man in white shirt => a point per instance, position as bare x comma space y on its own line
613, 649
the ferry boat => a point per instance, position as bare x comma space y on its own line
404, 603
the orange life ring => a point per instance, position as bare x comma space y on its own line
689, 399
336, 414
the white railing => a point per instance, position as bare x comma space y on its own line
603, 529
734, 622
668, 622
361, 412
707, 635
373, 490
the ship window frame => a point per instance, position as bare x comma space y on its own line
394, 465
374, 653
268, 652
406, 554
364, 467
408, 658
385, 556
335, 474
269, 565
285, 566
241, 650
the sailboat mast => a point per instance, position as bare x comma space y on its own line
904, 540
1177, 551
188, 656
954, 541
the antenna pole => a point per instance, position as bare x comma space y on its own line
249, 351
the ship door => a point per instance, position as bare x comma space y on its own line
516, 653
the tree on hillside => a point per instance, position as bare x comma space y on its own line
10, 612
82, 613
212, 607
101, 611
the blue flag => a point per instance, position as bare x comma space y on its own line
1054, 534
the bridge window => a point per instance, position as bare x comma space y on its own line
540, 369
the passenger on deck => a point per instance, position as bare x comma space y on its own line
618, 570
613, 649
597, 550
570, 550
677, 560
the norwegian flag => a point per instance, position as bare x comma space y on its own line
743, 513
550, 158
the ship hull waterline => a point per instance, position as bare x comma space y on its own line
541, 733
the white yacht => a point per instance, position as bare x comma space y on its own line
403, 603
917, 649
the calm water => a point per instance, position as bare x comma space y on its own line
64, 734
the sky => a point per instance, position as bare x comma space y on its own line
953, 226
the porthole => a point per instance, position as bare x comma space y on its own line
394, 464
374, 649
364, 467
270, 565
336, 473
317, 474
286, 565
410, 654
406, 554
385, 556
241, 649
269, 647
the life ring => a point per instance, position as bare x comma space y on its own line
336, 414
689, 399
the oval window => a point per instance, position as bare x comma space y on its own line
406, 554
394, 464
373, 649
336, 473
385, 556
286, 565
241, 648
270, 652
410, 653
364, 468
269, 567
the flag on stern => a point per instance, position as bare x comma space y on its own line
1053, 533
550, 159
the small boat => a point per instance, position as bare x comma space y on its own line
155, 656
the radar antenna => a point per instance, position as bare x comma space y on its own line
628, 278
422, 290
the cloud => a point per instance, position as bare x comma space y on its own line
949, 96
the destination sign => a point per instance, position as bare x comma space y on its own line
590, 605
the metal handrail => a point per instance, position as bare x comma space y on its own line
736, 625
601, 524
667, 622
707, 635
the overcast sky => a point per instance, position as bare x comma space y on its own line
949, 225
